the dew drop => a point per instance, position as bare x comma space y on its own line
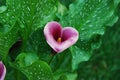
90, 26
83, 29
2, 9
7, 14
39, 66
28, 8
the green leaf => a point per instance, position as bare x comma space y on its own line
29, 15
89, 17
78, 55
8, 26
104, 63
83, 50
35, 14
38, 71
26, 59
71, 76
7, 40
34, 11
37, 44
9, 15
33, 68
65, 76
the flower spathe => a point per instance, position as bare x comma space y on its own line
60, 38
2, 71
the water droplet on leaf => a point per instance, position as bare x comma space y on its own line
2, 9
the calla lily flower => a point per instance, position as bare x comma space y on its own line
60, 38
2, 71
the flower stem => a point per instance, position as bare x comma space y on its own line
52, 56
17, 75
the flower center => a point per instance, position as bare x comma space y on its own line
59, 40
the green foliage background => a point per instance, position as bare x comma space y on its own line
105, 61
27, 56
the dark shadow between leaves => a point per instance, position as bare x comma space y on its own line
15, 50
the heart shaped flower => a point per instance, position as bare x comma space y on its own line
2, 71
60, 38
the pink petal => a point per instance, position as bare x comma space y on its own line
69, 37
2, 71
52, 31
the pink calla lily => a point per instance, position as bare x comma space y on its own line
2, 71
60, 38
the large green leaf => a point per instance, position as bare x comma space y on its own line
82, 51
26, 59
36, 43
8, 26
9, 15
78, 56
28, 15
35, 14
105, 61
7, 40
89, 17
38, 71
33, 68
